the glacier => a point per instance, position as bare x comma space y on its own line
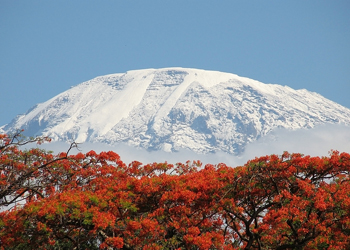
171, 109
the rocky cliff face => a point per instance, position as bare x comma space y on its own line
174, 108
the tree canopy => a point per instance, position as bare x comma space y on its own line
95, 201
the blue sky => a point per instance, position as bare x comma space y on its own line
48, 46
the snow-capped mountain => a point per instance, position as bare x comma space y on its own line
174, 108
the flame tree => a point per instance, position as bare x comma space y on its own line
95, 201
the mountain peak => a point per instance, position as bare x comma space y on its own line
173, 108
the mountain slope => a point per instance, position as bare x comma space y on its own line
173, 108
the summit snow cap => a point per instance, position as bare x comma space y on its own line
177, 108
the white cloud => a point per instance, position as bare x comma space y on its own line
315, 142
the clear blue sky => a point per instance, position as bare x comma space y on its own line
48, 46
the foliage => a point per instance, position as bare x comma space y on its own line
95, 201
